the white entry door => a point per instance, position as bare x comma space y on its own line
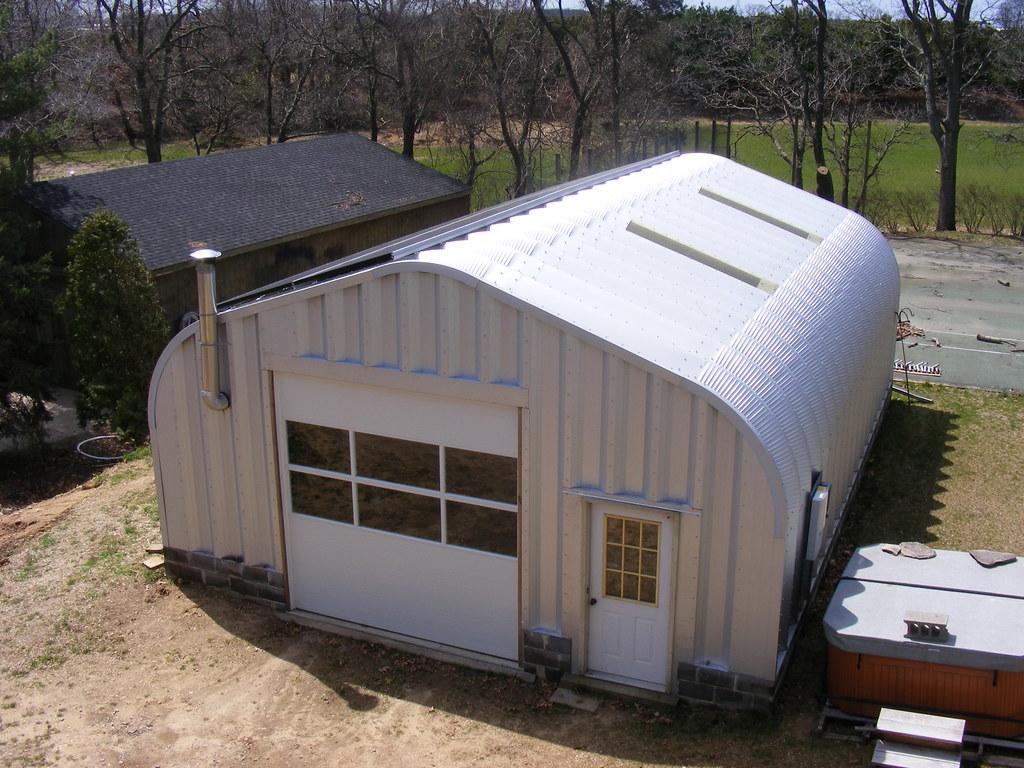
630, 594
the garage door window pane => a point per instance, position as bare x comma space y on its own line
314, 446
398, 512
481, 475
398, 461
491, 530
321, 497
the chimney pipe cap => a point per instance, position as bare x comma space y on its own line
205, 254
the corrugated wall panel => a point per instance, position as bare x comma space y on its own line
177, 481
187, 412
419, 317
545, 402
634, 438
676, 438
380, 321
457, 327
221, 490
716, 544
757, 577
255, 487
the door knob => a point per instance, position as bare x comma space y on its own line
593, 601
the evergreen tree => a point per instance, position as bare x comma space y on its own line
24, 308
116, 326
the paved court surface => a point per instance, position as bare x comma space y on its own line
953, 289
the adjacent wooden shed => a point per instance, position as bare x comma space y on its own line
274, 211
609, 430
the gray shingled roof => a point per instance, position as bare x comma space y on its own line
237, 200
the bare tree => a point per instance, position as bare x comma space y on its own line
814, 107
209, 106
517, 63
145, 35
857, 145
937, 52
582, 51
281, 41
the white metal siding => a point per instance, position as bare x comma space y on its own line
641, 374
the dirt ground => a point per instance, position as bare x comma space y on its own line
105, 663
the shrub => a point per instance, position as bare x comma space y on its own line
882, 211
975, 205
918, 209
116, 326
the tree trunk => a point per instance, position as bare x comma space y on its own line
946, 221
408, 131
576, 140
823, 177
616, 89
371, 102
269, 107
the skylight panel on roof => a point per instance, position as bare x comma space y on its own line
701, 257
765, 217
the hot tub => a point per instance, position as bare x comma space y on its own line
976, 673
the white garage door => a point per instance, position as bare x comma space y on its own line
401, 511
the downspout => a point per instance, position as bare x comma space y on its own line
208, 350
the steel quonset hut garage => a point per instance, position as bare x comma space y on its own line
608, 430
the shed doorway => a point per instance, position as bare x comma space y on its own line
630, 594
401, 512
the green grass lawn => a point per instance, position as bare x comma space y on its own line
910, 167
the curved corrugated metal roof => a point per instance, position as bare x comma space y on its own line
766, 296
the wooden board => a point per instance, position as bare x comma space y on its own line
918, 728
908, 756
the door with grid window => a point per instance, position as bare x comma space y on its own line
630, 594
401, 511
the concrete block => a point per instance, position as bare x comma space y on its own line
184, 572
558, 644
255, 573
686, 672
230, 565
213, 579
533, 639
755, 686
696, 692
276, 579
202, 560
273, 594
535, 656
731, 699
173, 555
719, 678
243, 587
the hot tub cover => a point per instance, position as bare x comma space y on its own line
985, 607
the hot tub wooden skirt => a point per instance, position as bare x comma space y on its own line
991, 701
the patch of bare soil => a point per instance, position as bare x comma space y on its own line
107, 664
36, 489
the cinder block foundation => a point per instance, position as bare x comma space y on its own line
546, 654
731, 690
254, 582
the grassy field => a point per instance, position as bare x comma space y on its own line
911, 166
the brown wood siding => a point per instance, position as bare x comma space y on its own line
861, 684
243, 272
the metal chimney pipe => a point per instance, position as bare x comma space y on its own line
206, 277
